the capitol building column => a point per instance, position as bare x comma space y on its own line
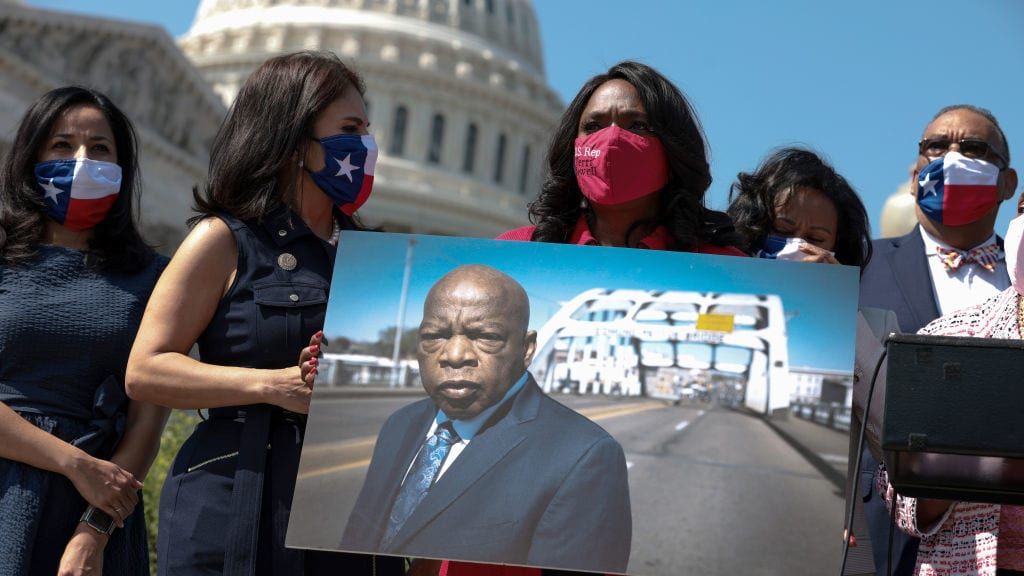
417, 137
457, 124
486, 146
381, 108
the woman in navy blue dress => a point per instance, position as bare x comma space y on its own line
288, 169
74, 279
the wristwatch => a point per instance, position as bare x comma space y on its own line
98, 520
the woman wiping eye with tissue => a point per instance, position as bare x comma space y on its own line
796, 207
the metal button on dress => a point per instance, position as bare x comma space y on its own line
287, 261
294, 297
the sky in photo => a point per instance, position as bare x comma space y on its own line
821, 300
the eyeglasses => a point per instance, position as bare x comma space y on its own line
969, 147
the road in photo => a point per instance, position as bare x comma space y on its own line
713, 489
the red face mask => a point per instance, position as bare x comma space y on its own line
614, 166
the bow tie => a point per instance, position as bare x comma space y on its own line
986, 256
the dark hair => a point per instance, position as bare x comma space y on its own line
115, 244
270, 119
558, 206
753, 199
981, 112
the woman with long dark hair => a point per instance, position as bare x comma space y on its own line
628, 166
74, 279
797, 205
289, 167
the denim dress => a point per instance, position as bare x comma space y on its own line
225, 504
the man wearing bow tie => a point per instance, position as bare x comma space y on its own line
951, 260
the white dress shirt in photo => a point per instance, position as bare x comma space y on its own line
466, 429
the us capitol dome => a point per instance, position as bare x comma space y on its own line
456, 94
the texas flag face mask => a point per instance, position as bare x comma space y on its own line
78, 192
955, 190
347, 175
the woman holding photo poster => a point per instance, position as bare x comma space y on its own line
627, 167
74, 279
289, 167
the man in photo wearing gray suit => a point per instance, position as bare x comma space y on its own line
489, 468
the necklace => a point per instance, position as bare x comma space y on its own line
335, 233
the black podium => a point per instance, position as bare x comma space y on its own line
954, 418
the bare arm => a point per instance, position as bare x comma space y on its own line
102, 484
917, 517
22, 442
141, 442
83, 553
930, 512
181, 306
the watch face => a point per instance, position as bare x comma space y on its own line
98, 520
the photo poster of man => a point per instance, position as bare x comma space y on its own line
578, 407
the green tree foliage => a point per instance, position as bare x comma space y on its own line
385, 344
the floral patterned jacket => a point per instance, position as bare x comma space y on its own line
964, 541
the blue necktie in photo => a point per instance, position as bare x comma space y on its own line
420, 478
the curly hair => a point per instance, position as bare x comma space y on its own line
115, 243
559, 205
753, 199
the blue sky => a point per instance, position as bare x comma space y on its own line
367, 285
857, 81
